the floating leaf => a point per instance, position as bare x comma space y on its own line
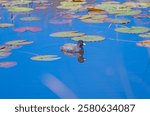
18, 42
145, 43
41, 7
5, 25
145, 35
24, 29
7, 64
19, 9
67, 34
95, 9
45, 58
133, 29
127, 12
29, 18
4, 54
93, 20
89, 38
141, 16
4, 48
117, 20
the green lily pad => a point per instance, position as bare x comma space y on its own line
133, 29
18, 42
29, 19
117, 20
19, 9
45, 58
67, 34
89, 38
92, 20
145, 35
5, 25
127, 12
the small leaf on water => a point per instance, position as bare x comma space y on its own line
18, 42
7, 64
5, 25
89, 38
24, 29
133, 29
145, 35
45, 58
29, 19
67, 34
145, 43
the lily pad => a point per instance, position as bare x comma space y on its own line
145, 35
133, 29
127, 12
24, 29
93, 20
29, 18
5, 25
45, 58
4, 48
19, 9
67, 34
18, 42
5, 54
7, 64
89, 38
145, 43
117, 20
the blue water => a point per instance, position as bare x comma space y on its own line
112, 69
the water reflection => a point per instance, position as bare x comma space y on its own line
58, 87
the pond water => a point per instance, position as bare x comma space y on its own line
116, 67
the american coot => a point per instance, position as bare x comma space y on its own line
74, 50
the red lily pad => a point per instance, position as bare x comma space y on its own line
24, 29
7, 64
41, 8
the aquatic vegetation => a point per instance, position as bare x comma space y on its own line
30, 18
45, 58
7, 64
145, 43
133, 29
89, 38
67, 34
24, 29
19, 9
141, 16
145, 35
4, 54
5, 25
18, 42
117, 20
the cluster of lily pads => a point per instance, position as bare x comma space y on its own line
93, 13
100, 13
5, 50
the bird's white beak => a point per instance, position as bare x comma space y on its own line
84, 44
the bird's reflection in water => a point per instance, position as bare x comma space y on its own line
80, 56
77, 50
